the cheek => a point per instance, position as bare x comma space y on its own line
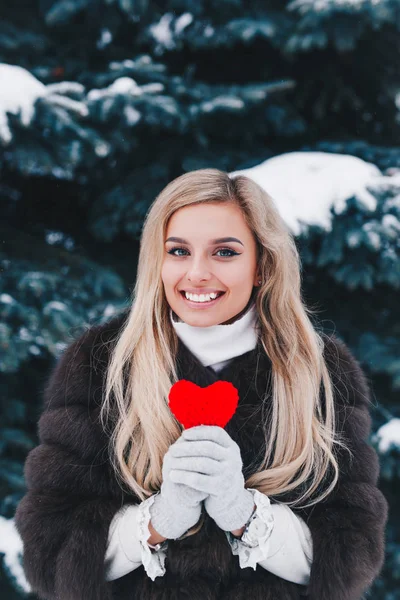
239, 281
238, 277
170, 274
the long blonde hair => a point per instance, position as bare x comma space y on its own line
142, 367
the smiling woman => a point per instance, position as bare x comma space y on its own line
202, 265
289, 486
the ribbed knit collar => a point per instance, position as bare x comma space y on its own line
219, 343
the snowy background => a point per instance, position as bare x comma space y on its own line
103, 102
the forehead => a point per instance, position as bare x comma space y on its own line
208, 219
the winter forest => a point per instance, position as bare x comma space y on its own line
103, 102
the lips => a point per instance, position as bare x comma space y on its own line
200, 305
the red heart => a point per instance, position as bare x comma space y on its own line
212, 405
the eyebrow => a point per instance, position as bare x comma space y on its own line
216, 241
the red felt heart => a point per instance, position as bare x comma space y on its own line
212, 405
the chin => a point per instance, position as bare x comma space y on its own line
201, 320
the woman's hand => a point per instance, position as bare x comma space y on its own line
177, 507
210, 462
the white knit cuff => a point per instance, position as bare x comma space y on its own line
249, 557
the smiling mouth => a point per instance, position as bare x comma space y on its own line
205, 303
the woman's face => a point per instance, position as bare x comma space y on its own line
197, 263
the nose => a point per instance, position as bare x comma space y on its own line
198, 271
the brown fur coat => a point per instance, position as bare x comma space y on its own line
73, 494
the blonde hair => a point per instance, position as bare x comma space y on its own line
300, 442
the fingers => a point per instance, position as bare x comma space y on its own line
190, 494
200, 448
197, 481
199, 464
208, 432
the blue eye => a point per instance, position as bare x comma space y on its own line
233, 253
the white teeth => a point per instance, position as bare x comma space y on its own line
201, 298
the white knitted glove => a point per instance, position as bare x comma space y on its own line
210, 461
177, 507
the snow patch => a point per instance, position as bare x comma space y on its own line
391, 222
153, 88
229, 102
373, 237
6, 299
66, 87
306, 185
388, 436
109, 311
132, 115
162, 32
54, 305
122, 85
34, 350
105, 39
12, 548
182, 22
125, 85
102, 149
19, 92
24, 334
167, 28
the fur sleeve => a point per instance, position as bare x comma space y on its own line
64, 517
348, 526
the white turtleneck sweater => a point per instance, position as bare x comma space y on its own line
289, 548
215, 346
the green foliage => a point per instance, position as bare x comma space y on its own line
42, 306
